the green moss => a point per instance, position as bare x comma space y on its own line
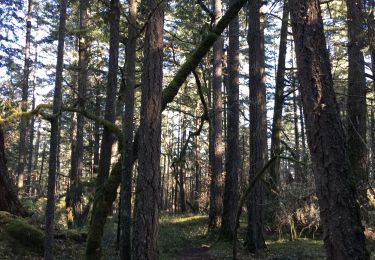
26, 235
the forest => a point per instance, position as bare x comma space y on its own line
187, 129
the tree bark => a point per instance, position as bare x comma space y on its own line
216, 146
52, 164
110, 104
233, 157
128, 129
73, 198
25, 93
339, 211
105, 197
8, 198
279, 97
146, 210
258, 125
356, 101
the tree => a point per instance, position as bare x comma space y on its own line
233, 158
25, 94
110, 101
52, 163
339, 211
279, 97
8, 198
74, 194
356, 102
128, 129
216, 128
146, 210
258, 125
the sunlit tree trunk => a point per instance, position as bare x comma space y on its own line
216, 151
146, 210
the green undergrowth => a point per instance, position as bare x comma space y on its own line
187, 231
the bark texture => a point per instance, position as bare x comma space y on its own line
356, 101
146, 210
233, 157
216, 129
128, 129
107, 195
54, 140
73, 198
258, 125
279, 97
339, 210
110, 102
8, 198
25, 93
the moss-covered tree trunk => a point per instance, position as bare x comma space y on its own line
8, 198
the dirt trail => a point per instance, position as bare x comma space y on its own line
195, 254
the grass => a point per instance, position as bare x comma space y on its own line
187, 231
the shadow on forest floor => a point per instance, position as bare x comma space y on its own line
182, 237
179, 234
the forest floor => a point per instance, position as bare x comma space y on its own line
181, 237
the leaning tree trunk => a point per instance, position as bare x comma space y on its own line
356, 101
8, 198
146, 210
52, 165
339, 210
258, 126
216, 151
233, 157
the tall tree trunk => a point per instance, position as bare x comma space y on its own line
52, 164
216, 156
110, 103
146, 211
73, 198
128, 129
356, 101
233, 157
298, 175
31, 151
339, 210
8, 198
258, 125
105, 197
25, 93
279, 97
181, 167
